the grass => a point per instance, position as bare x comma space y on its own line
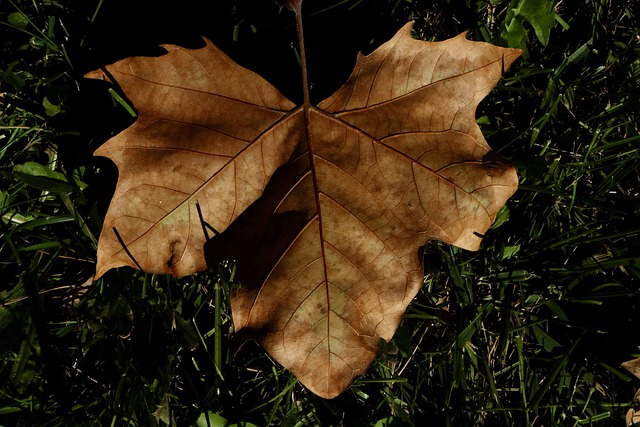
530, 330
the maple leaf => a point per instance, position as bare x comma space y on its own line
324, 208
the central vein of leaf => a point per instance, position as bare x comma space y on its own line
307, 107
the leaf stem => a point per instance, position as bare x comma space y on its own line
297, 8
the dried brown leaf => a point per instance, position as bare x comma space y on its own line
324, 208
633, 366
633, 417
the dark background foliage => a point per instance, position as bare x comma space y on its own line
530, 330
